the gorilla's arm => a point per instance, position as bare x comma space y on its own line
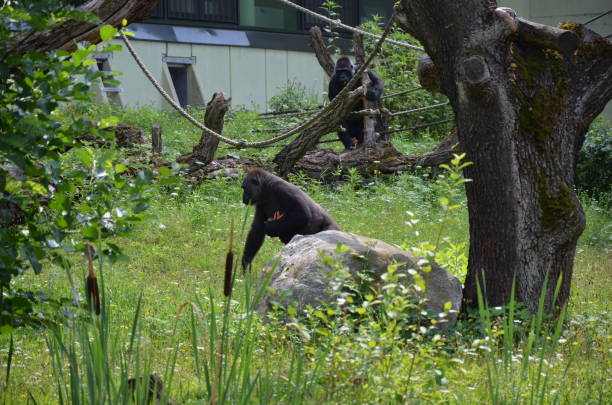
376, 87
333, 88
255, 238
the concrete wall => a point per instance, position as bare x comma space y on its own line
250, 76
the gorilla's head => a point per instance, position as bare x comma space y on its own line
252, 186
344, 70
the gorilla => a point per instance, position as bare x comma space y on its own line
343, 72
281, 210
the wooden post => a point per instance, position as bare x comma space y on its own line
156, 139
369, 121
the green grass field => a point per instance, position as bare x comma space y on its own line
212, 351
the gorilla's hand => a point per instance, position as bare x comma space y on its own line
371, 95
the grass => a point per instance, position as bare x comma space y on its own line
167, 313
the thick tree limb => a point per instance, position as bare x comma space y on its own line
317, 43
290, 154
65, 37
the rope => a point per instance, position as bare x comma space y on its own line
296, 129
287, 114
598, 17
338, 23
399, 93
429, 107
429, 124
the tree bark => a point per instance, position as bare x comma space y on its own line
317, 43
156, 139
68, 34
522, 109
204, 152
294, 151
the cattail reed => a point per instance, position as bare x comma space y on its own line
93, 295
229, 264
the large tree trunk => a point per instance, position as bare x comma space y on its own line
522, 109
66, 35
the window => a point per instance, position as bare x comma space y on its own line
268, 14
197, 10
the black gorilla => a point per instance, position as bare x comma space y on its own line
343, 72
281, 210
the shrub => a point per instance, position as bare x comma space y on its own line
294, 97
594, 166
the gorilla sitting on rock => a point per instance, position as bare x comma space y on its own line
344, 71
281, 210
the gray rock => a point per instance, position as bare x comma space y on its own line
300, 278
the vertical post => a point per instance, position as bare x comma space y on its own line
369, 121
156, 139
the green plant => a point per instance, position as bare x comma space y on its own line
397, 68
594, 166
293, 97
329, 7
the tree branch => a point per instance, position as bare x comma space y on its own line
65, 36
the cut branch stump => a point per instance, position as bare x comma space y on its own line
204, 152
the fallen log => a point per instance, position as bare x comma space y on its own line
383, 159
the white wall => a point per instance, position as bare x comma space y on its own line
250, 76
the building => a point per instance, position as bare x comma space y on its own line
251, 49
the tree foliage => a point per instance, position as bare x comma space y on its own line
56, 194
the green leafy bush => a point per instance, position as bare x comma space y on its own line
397, 68
294, 97
594, 166
51, 205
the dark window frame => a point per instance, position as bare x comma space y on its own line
161, 15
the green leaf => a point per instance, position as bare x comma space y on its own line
90, 232
107, 32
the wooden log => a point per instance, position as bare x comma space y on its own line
156, 139
383, 159
69, 33
548, 37
544, 36
317, 43
204, 152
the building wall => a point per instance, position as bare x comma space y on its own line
250, 76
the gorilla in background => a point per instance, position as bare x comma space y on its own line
281, 210
343, 72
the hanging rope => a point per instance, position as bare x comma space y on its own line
339, 24
242, 143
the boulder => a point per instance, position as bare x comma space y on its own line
301, 278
